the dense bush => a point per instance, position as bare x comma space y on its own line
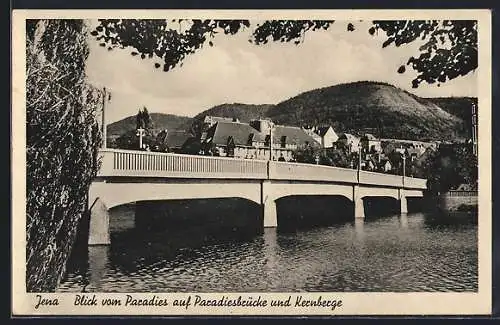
61, 149
338, 157
449, 167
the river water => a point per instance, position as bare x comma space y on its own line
391, 253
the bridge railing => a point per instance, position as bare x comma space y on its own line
156, 164
117, 162
373, 178
415, 183
307, 172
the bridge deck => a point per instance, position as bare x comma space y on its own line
127, 163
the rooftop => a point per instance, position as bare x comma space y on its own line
243, 133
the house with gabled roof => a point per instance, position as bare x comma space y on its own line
252, 141
328, 136
385, 165
325, 135
171, 141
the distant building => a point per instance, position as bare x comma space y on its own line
421, 146
327, 135
385, 165
246, 141
313, 133
413, 153
370, 164
252, 141
210, 121
349, 141
400, 149
172, 141
370, 143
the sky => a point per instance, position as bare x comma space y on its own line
236, 71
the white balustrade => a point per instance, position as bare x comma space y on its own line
115, 162
309, 172
372, 178
415, 183
156, 164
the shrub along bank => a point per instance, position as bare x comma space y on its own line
61, 149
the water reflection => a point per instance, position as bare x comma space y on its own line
270, 249
399, 253
403, 219
359, 228
98, 265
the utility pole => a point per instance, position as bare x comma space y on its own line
359, 160
474, 129
404, 168
271, 125
105, 97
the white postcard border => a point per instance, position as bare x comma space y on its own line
352, 303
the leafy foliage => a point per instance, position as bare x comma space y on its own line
160, 122
62, 142
130, 141
161, 38
448, 167
143, 120
287, 30
337, 157
460, 107
243, 112
449, 50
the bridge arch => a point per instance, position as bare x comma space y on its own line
379, 205
280, 189
307, 211
106, 195
379, 192
116, 194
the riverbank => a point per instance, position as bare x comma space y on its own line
458, 201
453, 207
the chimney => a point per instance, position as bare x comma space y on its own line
262, 126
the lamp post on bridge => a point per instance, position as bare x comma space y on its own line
403, 156
271, 126
106, 96
359, 159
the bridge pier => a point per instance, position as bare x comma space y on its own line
359, 207
270, 214
99, 224
403, 202
268, 203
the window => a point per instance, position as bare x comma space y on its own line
250, 139
230, 146
267, 140
283, 141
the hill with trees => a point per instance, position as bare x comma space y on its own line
385, 110
461, 107
379, 108
243, 112
160, 121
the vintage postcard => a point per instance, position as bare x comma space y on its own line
219, 162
